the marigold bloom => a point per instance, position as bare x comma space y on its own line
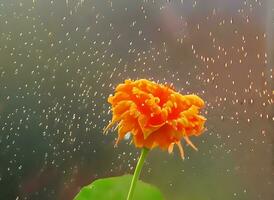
155, 115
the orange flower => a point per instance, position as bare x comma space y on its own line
155, 115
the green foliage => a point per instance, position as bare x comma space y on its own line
116, 188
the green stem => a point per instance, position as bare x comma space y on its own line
137, 172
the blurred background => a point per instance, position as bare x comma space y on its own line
61, 59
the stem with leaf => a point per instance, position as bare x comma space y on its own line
137, 172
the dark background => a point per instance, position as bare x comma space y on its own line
60, 60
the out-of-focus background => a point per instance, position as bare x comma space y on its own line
61, 59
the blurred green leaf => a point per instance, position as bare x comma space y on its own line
116, 188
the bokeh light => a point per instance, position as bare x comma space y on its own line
61, 59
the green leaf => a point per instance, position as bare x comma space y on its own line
116, 188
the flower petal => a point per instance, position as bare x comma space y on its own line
155, 115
